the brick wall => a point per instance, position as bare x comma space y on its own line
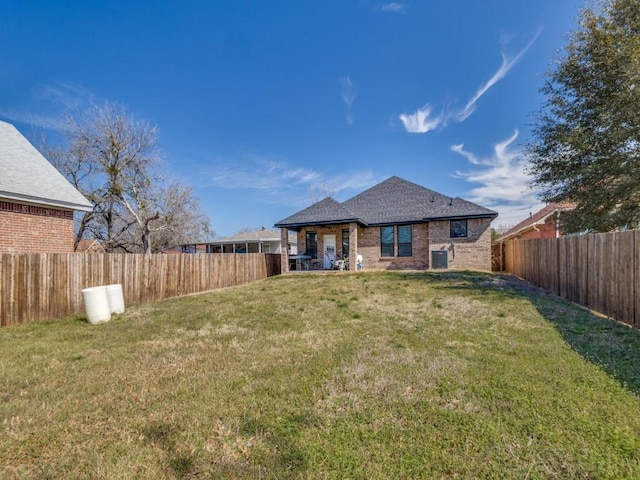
322, 231
369, 248
31, 229
546, 230
472, 252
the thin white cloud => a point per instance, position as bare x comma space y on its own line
52, 102
421, 121
20, 115
349, 93
503, 182
393, 7
67, 96
469, 156
507, 64
282, 184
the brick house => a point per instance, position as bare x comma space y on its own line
396, 224
90, 246
542, 224
36, 201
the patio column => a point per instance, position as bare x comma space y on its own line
353, 246
284, 250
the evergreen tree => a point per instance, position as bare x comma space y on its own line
586, 146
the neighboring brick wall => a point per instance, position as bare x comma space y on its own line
472, 252
31, 229
546, 230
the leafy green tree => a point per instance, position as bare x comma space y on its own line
586, 139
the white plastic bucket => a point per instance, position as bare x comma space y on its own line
96, 304
116, 298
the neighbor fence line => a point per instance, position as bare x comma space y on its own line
47, 286
599, 271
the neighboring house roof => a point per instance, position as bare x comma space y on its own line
172, 251
537, 218
187, 248
393, 201
262, 235
91, 246
29, 177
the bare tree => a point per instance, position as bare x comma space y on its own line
246, 229
123, 152
178, 219
82, 175
112, 159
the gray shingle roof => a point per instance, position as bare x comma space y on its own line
265, 235
324, 212
26, 176
393, 201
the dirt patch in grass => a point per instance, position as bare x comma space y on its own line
384, 374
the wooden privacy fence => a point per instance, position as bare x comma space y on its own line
47, 286
599, 271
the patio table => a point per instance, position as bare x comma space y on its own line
301, 261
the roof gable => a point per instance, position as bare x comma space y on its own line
394, 200
323, 212
29, 177
537, 218
397, 200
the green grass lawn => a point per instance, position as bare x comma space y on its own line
311, 376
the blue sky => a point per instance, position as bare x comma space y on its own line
264, 107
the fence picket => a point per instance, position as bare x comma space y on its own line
625, 259
598, 271
46, 286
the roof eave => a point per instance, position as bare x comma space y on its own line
530, 226
294, 225
240, 240
46, 202
461, 217
540, 221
